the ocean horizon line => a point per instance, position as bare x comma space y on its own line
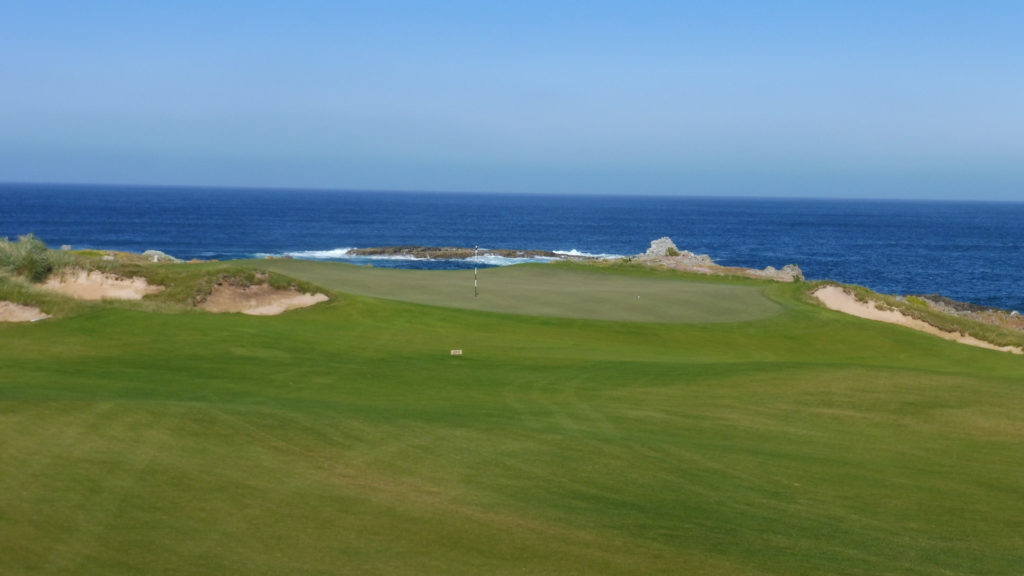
495, 193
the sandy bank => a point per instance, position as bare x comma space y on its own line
257, 300
96, 285
11, 312
840, 300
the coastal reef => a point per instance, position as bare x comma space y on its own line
1010, 319
449, 253
664, 253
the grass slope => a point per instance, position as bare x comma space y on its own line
344, 439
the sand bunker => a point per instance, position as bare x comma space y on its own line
258, 300
11, 312
97, 285
838, 299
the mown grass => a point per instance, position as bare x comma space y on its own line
562, 291
345, 439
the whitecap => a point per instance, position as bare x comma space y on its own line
483, 258
495, 260
320, 254
577, 254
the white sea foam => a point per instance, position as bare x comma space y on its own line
484, 258
495, 260
578, 254
386, 257
320, 254
338, 254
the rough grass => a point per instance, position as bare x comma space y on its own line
21, 291
344, 439
185, 284
917, 308
28, 258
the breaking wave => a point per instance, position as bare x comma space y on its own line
495, 260
484, 258
336, 254
578, 254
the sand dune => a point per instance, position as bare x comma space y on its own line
836, 298
96, 285
257, 300
11, 312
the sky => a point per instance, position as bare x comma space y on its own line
861, 99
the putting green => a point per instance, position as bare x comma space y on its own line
546, 290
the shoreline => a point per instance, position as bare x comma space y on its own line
662, 254
657, 256
964, 252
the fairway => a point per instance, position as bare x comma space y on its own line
546, 290
345, 439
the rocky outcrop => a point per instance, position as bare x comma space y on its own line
664, 253
696, 259
995, 316
158, 256
789, 273
663, 246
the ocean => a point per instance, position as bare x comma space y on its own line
969, 251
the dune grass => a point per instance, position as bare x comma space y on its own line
184, 284
28, 258
915, 307
344, 439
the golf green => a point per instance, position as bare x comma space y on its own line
546, 290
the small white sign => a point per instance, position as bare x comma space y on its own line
456, 352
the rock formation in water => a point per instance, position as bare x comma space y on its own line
664, 252
449, 253
789, 273
158, 256
663, 246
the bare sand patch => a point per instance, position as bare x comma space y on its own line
836, 298
96, 285
11, 312
257, 300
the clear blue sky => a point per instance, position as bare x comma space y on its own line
852, 99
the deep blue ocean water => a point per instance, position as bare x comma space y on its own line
970, 251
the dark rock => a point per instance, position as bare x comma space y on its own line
449, 253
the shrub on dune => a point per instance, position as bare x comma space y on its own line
28, 257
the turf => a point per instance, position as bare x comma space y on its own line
345, 439
546, 290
